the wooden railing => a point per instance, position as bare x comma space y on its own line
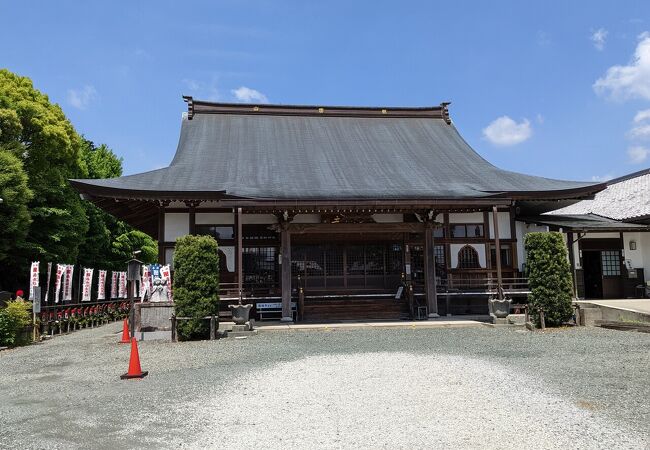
511, 285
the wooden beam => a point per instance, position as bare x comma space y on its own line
305, 228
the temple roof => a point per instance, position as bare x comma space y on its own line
313, 153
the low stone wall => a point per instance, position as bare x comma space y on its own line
593, 314
153, 316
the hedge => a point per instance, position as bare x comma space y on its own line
13, 320
196, 284
549, 276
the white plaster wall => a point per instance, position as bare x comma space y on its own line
307, 218
215, 218
576, 251
645, 252
634, 256
388, 218
258, 218
480, 249
503, 218
176, 225
521, 229
475, 217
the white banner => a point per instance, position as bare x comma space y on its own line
33, 279
60, 273
67, 288
113, 285
101, 285
122, 286
87, 284
49, 277
145, 283
165, 272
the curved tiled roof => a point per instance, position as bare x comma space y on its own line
626, 198
288, 152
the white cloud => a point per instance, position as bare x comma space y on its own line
206, 90
641, 131
638, 154
642, 116
598, 38
505, 132
543, 38
601, 178
81, 98
248, 95
630, 81
192, 85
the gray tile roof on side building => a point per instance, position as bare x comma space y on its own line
289, 152
626, 198
583, 222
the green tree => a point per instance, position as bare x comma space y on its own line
549, 276
38, 133
196, 284
125, 244
103, 229
14, 215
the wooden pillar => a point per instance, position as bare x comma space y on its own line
161, 234
572, 261
430, 271
192, 227
285, 262
240, 250
497, 246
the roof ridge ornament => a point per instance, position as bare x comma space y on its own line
445, 112
190, 106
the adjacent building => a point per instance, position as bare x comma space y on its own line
335, 208
609, 242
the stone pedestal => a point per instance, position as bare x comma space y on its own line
153, 316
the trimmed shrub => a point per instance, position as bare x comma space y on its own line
549, 277
196, 284
13, 320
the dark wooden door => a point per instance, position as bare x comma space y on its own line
592, 268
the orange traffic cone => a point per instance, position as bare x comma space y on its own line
125, 333
135, 371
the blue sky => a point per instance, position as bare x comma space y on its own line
551, 88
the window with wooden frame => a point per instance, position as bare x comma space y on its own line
506, 255
468, 258
611, 263
219, 232
466, 230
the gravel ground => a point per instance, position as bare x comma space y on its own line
369, 388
